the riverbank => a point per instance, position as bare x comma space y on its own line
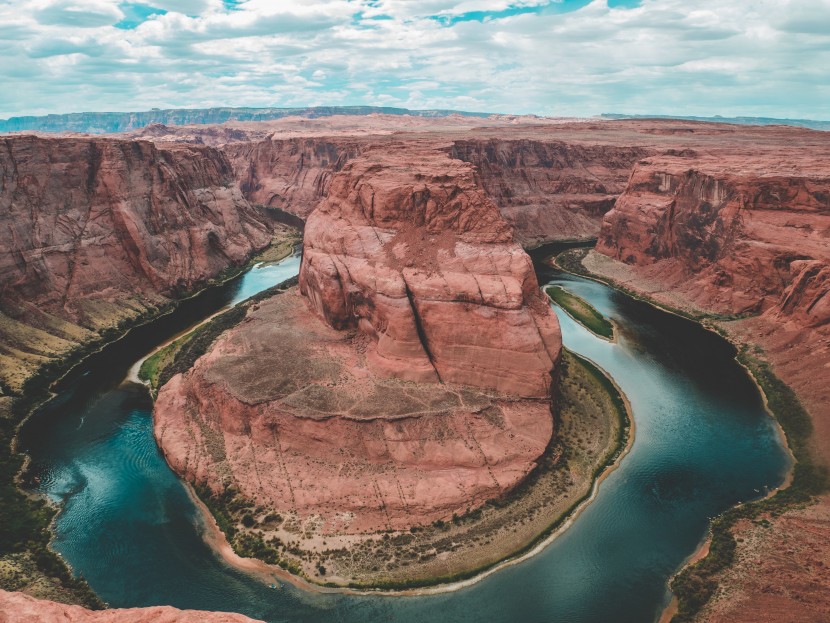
27, 562
464, 549
701, 579
148, 369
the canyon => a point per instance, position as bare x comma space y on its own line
420, 348
98, 232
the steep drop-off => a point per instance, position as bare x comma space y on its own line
95, 232
292, 174
549, 189
412, 252
745, 238
420, 389
730, 235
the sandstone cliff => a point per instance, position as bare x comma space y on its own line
549, 189
411, 252
421, 390
20, 608
745, 236
734, 235
292, 174
96, 231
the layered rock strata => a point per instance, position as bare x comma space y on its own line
419, 389
96, 231
735, 235
745, 238
291, 174
548, 188
416, 256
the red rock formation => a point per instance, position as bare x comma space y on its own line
286, 410
371, 420
20, 608
83, 217
730, 232
94, 231
550, 189
747, 231
408, 249
292, 174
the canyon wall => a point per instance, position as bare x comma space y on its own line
550, 190
411, 380
733, 235
291, 174
741, 235
96, 231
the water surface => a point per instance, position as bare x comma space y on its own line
703, 442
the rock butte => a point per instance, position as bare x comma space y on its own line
421, 387
20, 608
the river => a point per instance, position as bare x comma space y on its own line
703, 442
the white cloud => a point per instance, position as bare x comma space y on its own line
77, 13
663, 56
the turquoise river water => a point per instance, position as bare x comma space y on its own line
703, 442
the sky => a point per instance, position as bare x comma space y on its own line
553, 58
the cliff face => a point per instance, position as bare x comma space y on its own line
746, 231
291, 174
94, 231
20, 608
550, 190
733, 235
412, 253
419, 389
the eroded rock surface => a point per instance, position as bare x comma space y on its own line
20, 608
419, 388
732, 233
96, 231
414, 254
286, 410
547, 187
745, 237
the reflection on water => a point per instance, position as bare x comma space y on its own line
703, 442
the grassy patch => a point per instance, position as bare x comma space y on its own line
581, 311
696, 584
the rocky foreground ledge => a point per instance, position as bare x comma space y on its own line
20, 608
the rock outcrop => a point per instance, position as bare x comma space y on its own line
549, 189
286, 411
291, 174
409, 250
421, 387
96, 231
20, 608
735, 235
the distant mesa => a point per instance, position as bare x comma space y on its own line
110, 122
